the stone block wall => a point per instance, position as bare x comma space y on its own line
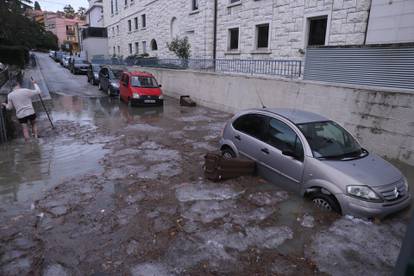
196, 25
347, 21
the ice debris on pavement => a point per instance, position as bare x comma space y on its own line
200, 191
341, 249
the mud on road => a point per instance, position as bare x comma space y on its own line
137, 204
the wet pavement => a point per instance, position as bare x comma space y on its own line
116, 190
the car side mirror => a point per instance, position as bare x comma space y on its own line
159, 85
291, 153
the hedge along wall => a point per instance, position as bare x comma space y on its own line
14, 55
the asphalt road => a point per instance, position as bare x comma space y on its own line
61, 81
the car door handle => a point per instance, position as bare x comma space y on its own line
237, 137
265, 150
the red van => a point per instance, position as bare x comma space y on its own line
140, 88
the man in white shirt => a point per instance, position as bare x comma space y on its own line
21, 100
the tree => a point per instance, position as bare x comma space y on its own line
82, 13
37, 6
17, 29
180, 47
69, 11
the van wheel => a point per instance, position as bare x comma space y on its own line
325, 202
228, 153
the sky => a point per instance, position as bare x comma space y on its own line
54, 5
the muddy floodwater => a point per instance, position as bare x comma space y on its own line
116, 190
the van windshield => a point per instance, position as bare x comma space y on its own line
328, 140
147, 82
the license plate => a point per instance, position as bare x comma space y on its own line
149, 101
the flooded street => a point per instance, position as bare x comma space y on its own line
115, 190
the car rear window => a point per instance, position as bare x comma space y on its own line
79, 61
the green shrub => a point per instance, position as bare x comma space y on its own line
14, 55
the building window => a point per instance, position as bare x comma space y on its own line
119, 50
143, 21
174, 28
144, 47
234, 1
116, 6
234, 39
129, 26
112, 6
113, 31
194, 5
154, 45
317, 30
126, 3
130, 48
136, 47
262, 36
114, 50
117, 29
136, 23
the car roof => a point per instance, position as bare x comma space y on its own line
296, 116
140, 74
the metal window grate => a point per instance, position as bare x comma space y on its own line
375, 66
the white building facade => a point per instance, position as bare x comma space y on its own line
93, 35
245, 29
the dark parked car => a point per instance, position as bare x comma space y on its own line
78, 65
109, 77
93, 73
58, 56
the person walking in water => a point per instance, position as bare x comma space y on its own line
21, 100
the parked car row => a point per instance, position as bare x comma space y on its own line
75, 64
131, 85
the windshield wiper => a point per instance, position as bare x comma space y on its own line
347, 156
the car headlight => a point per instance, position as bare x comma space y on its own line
96, 75
115, 84
406, 184
135, 96
363, 192
160, 97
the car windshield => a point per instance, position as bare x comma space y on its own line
148, 82
329, 140
96, 67
80, 61
115, 74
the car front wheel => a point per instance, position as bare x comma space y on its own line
325, 202
228, 153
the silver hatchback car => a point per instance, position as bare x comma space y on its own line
316, 157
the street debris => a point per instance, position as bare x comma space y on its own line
187, 101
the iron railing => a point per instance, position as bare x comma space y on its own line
4, 76
284, 68
3, 128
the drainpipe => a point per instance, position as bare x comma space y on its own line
366, 28
215, 34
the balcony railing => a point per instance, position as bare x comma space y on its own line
94, 32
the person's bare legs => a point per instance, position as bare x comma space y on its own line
25, 132
34, 129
